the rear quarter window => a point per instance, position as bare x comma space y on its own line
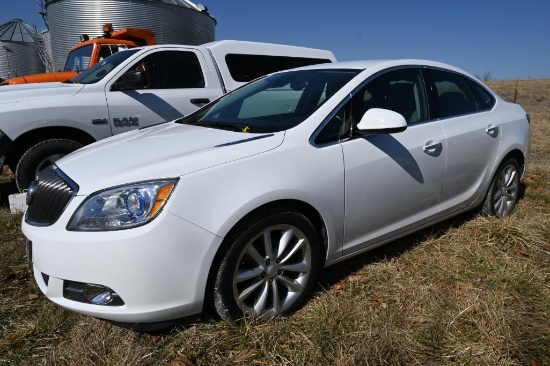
485, 100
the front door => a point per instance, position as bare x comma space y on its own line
392, 181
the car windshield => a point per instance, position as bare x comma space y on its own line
101, 69
79, 59
274, 103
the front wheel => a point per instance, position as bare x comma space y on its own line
40, 156
504, 190
270, 269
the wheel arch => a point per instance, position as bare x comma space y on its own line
486, 207
268, 208
30, 138
516, 154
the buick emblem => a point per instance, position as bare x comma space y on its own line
31, 191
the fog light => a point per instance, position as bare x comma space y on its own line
99, 295
89, 293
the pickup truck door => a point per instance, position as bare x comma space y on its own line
178, 82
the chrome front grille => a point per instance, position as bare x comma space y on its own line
48, 196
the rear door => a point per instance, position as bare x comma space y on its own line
178, 83
472, 133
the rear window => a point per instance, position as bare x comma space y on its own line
245, 68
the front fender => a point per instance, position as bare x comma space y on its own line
18, 119
217, 198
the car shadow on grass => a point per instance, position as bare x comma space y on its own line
332, 275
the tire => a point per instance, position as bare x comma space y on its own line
40, 156
504, 190
253, 279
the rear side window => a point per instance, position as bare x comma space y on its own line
245, 68
454, 94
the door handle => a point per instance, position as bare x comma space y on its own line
492, 130
200, 100
432, 146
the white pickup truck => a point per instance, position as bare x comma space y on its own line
131, 89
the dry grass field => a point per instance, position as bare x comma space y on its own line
470, 291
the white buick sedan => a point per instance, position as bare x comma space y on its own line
238, 206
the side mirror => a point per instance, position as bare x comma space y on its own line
131, 80
378, 120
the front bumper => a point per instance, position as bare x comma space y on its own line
159, 270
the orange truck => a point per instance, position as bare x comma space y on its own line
90, 51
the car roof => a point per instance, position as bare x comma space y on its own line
383, 64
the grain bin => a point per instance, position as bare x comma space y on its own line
173, 21
46, 40
18, 50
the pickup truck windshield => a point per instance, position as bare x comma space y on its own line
101, 69
274, 103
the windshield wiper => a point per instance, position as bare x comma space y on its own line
238, 127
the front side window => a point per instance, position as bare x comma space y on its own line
275, 103
401, 91
454, 94
337, 127
171, 70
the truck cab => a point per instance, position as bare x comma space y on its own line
91, 51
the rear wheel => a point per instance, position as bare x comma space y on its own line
504, 190
270, 269
40, 156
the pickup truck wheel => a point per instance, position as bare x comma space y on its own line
270, 268
40, 156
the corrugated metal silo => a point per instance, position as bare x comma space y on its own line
46, 40
173, 21
18, 52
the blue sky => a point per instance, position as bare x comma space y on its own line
509, 39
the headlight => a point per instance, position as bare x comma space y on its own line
122, 207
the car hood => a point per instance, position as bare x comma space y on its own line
164, 151
26, 92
